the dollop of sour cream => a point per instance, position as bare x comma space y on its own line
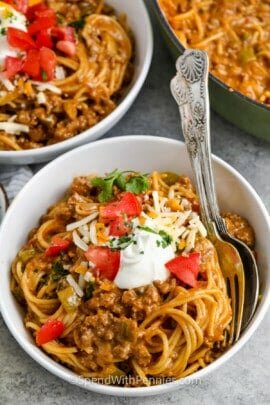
143, 261
9, 17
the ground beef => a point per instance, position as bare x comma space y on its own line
110, 329
80, 185
240, 228
107, 337
37, 134
141, 302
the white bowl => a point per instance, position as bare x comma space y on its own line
139, 22
143, 153
3, 202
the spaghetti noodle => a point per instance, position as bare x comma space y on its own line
67, 275
234, 33
86, 86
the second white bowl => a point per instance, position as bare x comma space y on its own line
139, 22
142, 153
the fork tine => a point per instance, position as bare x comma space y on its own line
226, 338
233, 305
241, 299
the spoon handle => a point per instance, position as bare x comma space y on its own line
190, 90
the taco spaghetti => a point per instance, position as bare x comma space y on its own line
119, 280
66, 67
234, 33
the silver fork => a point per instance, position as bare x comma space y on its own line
190, 90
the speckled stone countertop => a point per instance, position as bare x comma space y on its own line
245, 379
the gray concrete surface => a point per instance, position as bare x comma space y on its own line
245, 379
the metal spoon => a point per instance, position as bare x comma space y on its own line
190, 90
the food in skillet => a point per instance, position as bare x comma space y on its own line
63, 67
234, 33
120, 283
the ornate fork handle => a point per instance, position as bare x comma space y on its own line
190, 90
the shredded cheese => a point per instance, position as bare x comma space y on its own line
60, 73
12, 118
93, 233
84, 221
7, 83
13, 127
47, 86
75, 285
79, 242
88, 276
156, 201
41, 98
190, 241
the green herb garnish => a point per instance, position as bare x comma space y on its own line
58, 271
136, 184
105, 184
89, 290
122, 242
147, 229
166, 239
44, 75
3, 31
78, 24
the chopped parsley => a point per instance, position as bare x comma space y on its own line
89, 290
166, 239
44, 75
3, 31
122, 242
137, 184
147, 229
105, 185
78, 24
58, 271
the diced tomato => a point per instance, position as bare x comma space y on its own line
119, 227
58, 245
195, 206
51, 330
46, 13
47, 62
128, 205
31, 11
186, 268
31, 64
107, 261
45, 19
64, 33
20, 39
67, 47
20, 5
12, 66
44, 39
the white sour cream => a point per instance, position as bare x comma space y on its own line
9, 17
144, 261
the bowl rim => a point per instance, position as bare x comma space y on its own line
132, 92
215, 79
4, 200
63, 372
